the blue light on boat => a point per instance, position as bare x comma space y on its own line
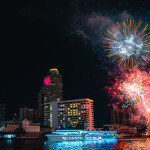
9, 136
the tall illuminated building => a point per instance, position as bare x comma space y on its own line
50, 91
2, 112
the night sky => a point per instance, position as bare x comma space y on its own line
64, 34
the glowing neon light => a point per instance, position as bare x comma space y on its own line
54, 69
47, 80
89, 100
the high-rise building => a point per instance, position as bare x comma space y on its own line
2, 112
28, 113
51, 114
50, 91
76, 113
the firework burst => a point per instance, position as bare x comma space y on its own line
128, 43
131, 91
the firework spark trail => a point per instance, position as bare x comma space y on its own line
128, 43
132, 90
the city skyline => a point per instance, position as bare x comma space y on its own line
36, 102
67, 36
51, 91
75, 74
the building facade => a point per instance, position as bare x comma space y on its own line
2, 112
28, 113
10, 127
76, 113
51, 114
30, 127
26, 125
50, 91
121, 129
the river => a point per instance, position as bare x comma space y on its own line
41, 144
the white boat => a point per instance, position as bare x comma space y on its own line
79, 135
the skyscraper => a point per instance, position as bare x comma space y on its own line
2, 112
50, 91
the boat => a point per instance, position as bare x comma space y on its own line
80, 135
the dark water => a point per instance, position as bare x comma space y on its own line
38, 144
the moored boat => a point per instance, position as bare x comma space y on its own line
80, 135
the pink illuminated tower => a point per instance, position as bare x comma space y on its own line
51, 90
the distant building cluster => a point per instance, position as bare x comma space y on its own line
30, 114
125, 117
123, 129
123, 122
53, 112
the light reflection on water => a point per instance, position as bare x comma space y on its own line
80, 145
134, 144
41, 144
122, 144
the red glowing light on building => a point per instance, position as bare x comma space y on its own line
108, 105
47, 80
